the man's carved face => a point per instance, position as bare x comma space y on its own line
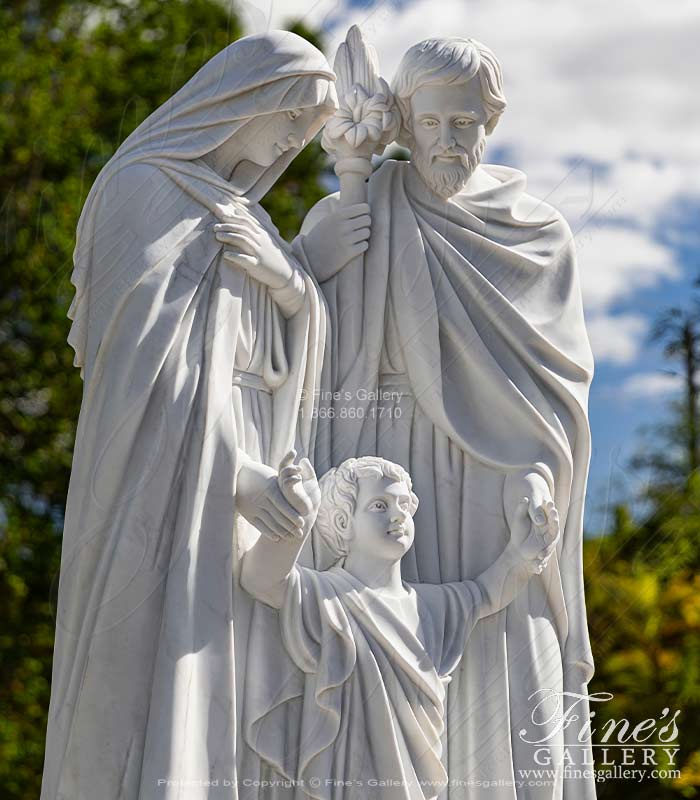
448, 125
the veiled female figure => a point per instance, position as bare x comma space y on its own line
200, 349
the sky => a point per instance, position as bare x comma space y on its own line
603, 117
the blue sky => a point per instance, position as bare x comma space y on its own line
603, 117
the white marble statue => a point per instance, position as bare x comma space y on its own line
459, 351
200, 340
433, 309
373, 654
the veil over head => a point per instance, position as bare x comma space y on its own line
252, 77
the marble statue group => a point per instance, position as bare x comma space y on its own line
323, 532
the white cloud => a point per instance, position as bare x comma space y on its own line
613, 260
649, 385
617, 339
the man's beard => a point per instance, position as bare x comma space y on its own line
447, 180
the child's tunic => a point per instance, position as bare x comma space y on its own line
368, 681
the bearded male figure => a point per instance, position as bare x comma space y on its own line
459, 351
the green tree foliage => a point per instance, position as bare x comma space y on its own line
645, 630
674, 450
643, 580
75, 79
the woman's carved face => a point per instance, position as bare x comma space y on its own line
267, 137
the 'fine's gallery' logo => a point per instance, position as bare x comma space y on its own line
563, 732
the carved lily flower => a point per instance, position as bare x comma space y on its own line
362, 117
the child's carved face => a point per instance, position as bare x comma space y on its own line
382, 523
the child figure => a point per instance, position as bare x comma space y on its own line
372, 654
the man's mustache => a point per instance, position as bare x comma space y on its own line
452, 152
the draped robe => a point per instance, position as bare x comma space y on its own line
369, 687
143, 700
459, 351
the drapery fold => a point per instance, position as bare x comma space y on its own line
367, 679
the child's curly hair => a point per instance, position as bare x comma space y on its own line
339, 498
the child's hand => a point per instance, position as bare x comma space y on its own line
259, 500
535, 533
300, 488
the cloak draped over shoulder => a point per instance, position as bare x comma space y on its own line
143, 678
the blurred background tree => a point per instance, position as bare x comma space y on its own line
674, 453
75, 79
643, 577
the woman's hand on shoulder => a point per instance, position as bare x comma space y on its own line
251, 247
